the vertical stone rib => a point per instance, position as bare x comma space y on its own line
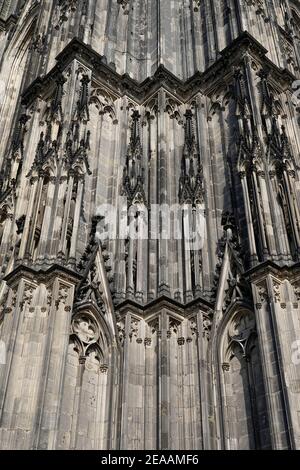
163, 384
76, 223
252, 243
153, 215
164, 287
124, 391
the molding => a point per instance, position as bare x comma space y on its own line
122, 85
163, 302
44, 275
6, 24
260, 271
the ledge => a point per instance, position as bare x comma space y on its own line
5, 24
271, 267
204, 82
163, 302
43, 274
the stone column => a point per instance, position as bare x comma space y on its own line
164, 288
124, 438
62, 293
294, 214
266, 308
130, 287
283, 247
63, 237
197, 253
34, 217
187, 227
43, 253
247, 204
153, 215
260, 217
58, 219
28, 221
76, 222
163, 383
142, 259
271, 241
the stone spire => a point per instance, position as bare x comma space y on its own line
191, 179
133, 173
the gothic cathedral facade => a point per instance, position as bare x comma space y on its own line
110, 339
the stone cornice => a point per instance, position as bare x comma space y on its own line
121, 85
43, 275
163, 302
5, 24
260, 271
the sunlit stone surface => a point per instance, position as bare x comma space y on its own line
149, 224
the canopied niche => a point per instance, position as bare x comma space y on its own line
244, 412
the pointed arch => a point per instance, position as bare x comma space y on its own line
104, 101
242, 392
87, 388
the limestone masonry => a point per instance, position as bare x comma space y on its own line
150, 224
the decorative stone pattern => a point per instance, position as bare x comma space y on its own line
174, 334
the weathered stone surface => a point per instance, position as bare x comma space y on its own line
118, 334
